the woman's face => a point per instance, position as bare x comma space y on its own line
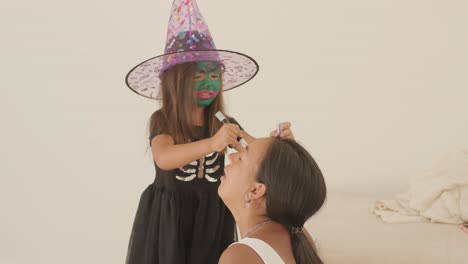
241, 175
207, 83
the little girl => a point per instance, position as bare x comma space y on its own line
180, 218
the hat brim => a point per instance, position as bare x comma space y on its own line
239, 68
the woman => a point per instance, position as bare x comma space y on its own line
272, 189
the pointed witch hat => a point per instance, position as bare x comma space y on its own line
189, 40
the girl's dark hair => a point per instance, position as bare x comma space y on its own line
175, 116
295, 191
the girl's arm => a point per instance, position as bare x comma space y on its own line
249, 138
169, 156
285, 128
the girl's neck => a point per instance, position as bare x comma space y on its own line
198, 116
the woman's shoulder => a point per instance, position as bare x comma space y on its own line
277, 237
239, 253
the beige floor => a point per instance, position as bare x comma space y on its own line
347, 232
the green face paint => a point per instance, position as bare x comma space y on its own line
207, 83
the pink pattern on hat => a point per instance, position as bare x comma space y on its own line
189, 40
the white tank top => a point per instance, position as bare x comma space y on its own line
265, 251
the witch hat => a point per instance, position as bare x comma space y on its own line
189, 40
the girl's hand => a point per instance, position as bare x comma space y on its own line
226, 136
286, 131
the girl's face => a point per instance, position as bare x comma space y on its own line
241, 175
207, 83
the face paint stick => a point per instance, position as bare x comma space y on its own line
278, 130
224, 120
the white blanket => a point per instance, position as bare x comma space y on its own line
440, 195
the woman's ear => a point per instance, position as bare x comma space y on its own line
258, 191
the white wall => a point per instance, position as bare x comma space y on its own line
377, 90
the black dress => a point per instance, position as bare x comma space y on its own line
180, 218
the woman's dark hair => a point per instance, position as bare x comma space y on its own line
295, 191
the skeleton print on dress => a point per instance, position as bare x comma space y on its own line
205, 167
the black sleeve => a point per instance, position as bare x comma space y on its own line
155, 127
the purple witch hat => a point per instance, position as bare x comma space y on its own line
189, 40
